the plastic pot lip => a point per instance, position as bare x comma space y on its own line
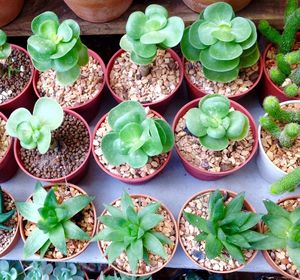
127, 180
21, 220
176, 235
11, 140
146, 104
74, 172
10, 101
261, 148
261, 66
80, 106
247, 205
233, 104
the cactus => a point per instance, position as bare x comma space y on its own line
291, 90
277, 76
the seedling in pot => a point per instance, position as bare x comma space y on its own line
149, 31
121, 276
134, 137
12, 270
52, 219
4, 216
215, 123
221, 42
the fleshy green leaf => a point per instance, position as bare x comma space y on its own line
205, 33
234, 251
253, 236
41, 18
213, 246
114, 250
252, 39
187, 49
193, 36
276, 210
68, 77
222, 77
135, 25
279, 226
196, 221
238, 240
294, 254
225, 50
214, 144
218, 13
194, 124
164, 127
72, 231
269, 243
150, 221
241, 29
236, 204
29, 211
239, 126
17, 117
57, 238
149, 209
34, 242
138, 159
39, 194
153, 245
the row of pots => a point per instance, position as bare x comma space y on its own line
178, 233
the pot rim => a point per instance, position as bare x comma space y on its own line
11, 140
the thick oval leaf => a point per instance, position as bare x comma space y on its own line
187, 49
218, 13
153, 146
138, 159
40, 48
5, 51
126, 43
222, 77
44, 140
74, 26
48, 29
194, 35
153, 37
214, 144
3, 38
38, 20
215, 105
63, 48
18, 116
141, 60
172, 32
143, 50
217, 133
164, 127
25, 132
225, 50
135, 25
239, 126
83, 56
223, 34
65, 32
205, 31
130, 136
240, 29
249, 60
68, 77
42, 65
155, 22
66, 62
252, 39
194, 124
154, 9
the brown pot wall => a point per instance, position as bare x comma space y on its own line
9, 10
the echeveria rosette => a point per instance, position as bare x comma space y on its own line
5, 48
57, 46
215, 123
34, 130
12, 270
39, 271
134, 137
146, 32
222, 43
67, 271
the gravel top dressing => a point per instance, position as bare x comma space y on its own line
4, 139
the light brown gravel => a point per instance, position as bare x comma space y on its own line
85, 88
195, 249
128, 83
247, 77
215, 161
4, 139
166, 227
124, 170
287, 159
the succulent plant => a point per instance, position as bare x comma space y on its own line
57, 46
39, 271
12, 270
4, 216
121, 276
283, 231
5, 48
215, 123
221, 42
134, 137
132, 232
67, 271
34, 130
53, 220
228, 226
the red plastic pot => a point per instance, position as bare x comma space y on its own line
196, 92
132, 181
25, 99
159, 105
201, 173
74, 176
8, 165
89, 109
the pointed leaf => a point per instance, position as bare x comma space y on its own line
72, 231
34, 242
213, 246
58, 239
152, 244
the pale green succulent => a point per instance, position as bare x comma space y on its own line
39, 271
5, 48
12, 270
67, 271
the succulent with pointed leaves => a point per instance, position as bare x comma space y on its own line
4, 216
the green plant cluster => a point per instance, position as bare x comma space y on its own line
121, 276
222, 43
4, 216
149, 31
67, 271
39, 271
5, 48
215, 123
12, 270
135, 137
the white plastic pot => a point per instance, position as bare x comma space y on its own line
267, 169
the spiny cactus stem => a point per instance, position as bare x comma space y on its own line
290, 8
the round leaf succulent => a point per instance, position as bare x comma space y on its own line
134, 137
215, 123
39, 271
5, 48
146, 32
10, 270
221, 42
57, 46
34, 130
67, 271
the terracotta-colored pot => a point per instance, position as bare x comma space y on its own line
159, 105
247, 206
22, 225
266, 253
16, 236
196, 92
74, 176
26, 98
9, 10
201, 173
176, 236
131, 181
89, 109
8, 165
199, 5
98, 10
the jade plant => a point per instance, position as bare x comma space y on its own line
221, 42
215, 123
67, 271
275, 113
4, 216
132, 232
121, 276
39, 271
283, 231
149, 31
228, 227
135, 137
12, 270
52, 220
34, 130
57, 46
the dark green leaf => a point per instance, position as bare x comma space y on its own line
126, 201
236, 204
295, 215
196, 221
150, 208
58, 239
132, 215
161, 237
218, 211
238, 240
213, 246
235, 252
252, 221
276, 210
278, 225
201, 236
152, 244
72, 231
34, 242
213, 198
187, 49
269, 243
115, 223
253, 236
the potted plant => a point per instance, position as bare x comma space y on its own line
138, 235
221, 53
69, 72
9, 10
52, 144
278, 138
98, 11
146, 69
214, 137
16, 73
57, 222
282, 242
217, 229
120, 276
132, 143
280, 59
12, 270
